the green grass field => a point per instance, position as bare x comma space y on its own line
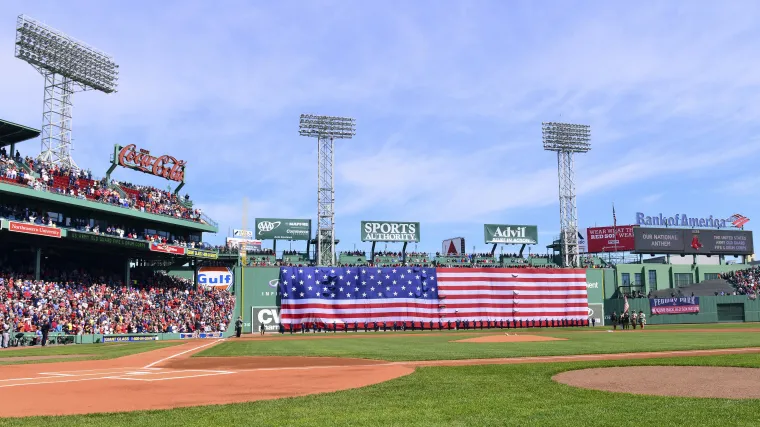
409, 346
89, 351
488, 395
494, 395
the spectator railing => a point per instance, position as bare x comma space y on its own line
209, 220
205, 217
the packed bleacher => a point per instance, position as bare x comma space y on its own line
80, 184
744, 281
33, 216
78, 303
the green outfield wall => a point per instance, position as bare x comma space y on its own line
729, 308
256, 288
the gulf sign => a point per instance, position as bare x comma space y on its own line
215, 277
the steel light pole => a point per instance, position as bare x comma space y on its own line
326, 129
567, 139
68, 66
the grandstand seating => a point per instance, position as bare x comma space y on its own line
159, 303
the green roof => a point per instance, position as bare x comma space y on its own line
11, 133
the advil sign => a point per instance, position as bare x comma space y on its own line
164, 166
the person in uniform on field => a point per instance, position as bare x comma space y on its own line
261, 329
634, 319
642, 319
239, 326
614, 320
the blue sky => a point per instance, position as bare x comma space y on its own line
448, 96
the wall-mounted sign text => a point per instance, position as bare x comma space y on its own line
164, 166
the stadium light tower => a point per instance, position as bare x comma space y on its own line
326, 129
567, 139
68, 66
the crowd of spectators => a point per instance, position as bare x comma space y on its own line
79, 303
744, 281
354, 253
26, 214
79, 183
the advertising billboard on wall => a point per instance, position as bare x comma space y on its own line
453, 246
390, 231
511, 234
247, 244
610, 239
693, 241
215, 277
283, 229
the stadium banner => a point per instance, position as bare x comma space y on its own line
693, 241
201, 253
511, 234
267, 316
190, 335
129, 338
390, 231
108, 240
37, 230
453, 246
389, 294
167, 249
283, 229
678, 305
610, 239
720, 242
247, 244
245, 234
164, 166
215, 277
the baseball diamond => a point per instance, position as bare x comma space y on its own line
124, 302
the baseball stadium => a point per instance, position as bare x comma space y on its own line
116, 310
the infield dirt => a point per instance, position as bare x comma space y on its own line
168, 378
680, 381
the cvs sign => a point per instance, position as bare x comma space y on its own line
215, 277
269, 317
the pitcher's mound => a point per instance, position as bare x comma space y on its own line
681, 381
510, 338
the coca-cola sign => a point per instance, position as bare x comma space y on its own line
164, 166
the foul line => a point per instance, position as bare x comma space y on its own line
183, 352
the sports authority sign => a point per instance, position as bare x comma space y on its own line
283, 229
37, 230
267, 316
390, 231
610, 239
511, 234
164, 166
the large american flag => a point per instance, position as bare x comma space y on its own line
420, 294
